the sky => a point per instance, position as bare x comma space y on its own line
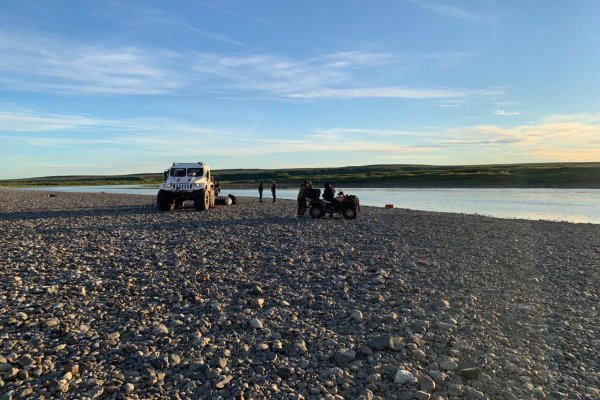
119, 87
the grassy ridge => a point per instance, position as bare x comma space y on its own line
560, 175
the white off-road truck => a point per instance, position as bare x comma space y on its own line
186, 181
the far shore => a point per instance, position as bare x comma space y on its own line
289, 185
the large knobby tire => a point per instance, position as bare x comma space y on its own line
201, 200
316, 212
165, 201
212, 199
350, 212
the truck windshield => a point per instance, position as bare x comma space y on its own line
178, 172
194, 172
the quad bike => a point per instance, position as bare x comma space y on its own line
346, 205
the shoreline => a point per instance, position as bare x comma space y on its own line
104, 296
581, 219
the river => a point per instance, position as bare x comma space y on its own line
573, 205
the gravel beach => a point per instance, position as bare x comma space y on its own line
102, 296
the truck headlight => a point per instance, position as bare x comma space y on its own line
167, 185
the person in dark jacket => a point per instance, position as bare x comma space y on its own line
274, 190
329, 193
302, 196
261, 186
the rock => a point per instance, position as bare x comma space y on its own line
5, 367
446, 326
52, 322
129, 387
356, 314
113, 336
449, 365
160, 329
387, 342
344, 356
419, 395
285, 372
469, 373
374, 378
258, 302
403, 377
221, 384
366, 394
256, 323
427, 384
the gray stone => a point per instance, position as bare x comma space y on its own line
419, 395
386, 342
345, 356
427, 384
469, 373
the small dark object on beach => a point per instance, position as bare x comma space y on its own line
51, 195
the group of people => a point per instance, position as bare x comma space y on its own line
261, 187
303, 194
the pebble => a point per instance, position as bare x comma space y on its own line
403, 377
256, 323
449, 365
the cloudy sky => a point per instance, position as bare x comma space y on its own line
111, 87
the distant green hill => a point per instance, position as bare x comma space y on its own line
558, 175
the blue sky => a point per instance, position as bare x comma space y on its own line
111, 87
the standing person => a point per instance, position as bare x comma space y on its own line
261, 186
273, 190
302, 196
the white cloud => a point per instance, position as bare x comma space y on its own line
505, 113
381, 92
32, 62
36, 63
443, 9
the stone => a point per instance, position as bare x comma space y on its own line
449, 365
221, 384
356, 314
285, 372
403, 377
52, 322
113, 336
419, 395
256, 323
160, 329
129, 387
469, 373
344, 356
427, 384
386, 342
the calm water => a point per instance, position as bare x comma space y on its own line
574, 205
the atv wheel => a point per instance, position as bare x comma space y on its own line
201, 200
316, 212
165, 201
350, 212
